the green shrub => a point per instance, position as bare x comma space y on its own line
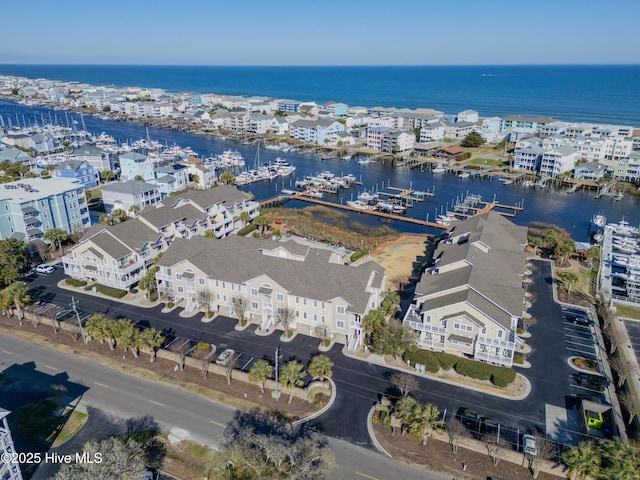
247, 229
447, 360
311, 397
203, 346
170, 304
473, 369
89, 287
111, 291
359, 254
75, 282
424, 357
154, 296
502, 376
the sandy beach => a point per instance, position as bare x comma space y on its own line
398, 257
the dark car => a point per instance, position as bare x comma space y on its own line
469, 418
488, 426
578, 320
597, 382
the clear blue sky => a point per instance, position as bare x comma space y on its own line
320, 32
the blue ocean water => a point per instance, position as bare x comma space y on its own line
605, 94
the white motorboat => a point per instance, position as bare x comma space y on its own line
464, 175
438, 170
360, 205
312, 192
232, 158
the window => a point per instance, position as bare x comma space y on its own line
224, 285
464, 328
428, 319
315, 317
233, 287
254, 292
201, 281
217, 296
499, 333
217, 283
254, 305
340, 309
304, 315
340, 323
224, 298
304, 301
322, 305
280, 310
315, 304
180, 289
484, 330
297, 300
280, 297
178, 276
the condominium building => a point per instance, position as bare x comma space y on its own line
8, 470
269, 279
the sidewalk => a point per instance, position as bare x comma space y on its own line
134, 299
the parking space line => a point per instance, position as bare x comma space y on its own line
581, 344
245, 365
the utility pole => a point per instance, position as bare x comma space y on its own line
276, 393
74, 305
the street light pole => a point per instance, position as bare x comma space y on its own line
276, 393
74, 305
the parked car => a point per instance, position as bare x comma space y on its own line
225, 357
578, 320
597, 382
469, 418
529, 445
488, 426
45, 269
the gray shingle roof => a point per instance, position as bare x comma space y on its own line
131, 187
208, 198
239, 260
163, 216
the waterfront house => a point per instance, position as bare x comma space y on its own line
31, 206
515, 121
457, 129
315, 131
469, 302
520, 133
201, 175
593, 171
124, 195
470, 116
375, 137
337, 109
99, 159
134, 164
559, 160
528, 158
490, 129
170, 179
628, 168
432, 132
322, 296
399, 141
450, 153
79, 170
287, 106
15, 156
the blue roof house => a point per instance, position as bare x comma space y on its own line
78, 170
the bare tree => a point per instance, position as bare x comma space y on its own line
286, 316
621, 367
323, 333
613, 337
230, 364
181, 347
42, 249
456, 431
204, 300
51, 312
494, 449
203, 352
405, 383
31, 313
631, 403
240, 306
74, 333
546, 450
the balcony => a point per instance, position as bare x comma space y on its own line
495, 342
493, 358
430, 343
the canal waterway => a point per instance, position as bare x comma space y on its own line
570, 211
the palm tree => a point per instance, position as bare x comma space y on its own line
153, 340
593, 254
245, 218
569, 278
134, 209
260, 372
125, 331
535, 242
148, 283
550, 238
390, 303
97, 326
424, 419
291, 376
372, 322
56, 236
619, 460
320, 367
581, 460
227, 178
404, 411
565, 249
261, 222
16, 294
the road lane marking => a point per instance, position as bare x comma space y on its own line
365, 475
157, 403
101, 384
8, 353
245, 365
217, 423
50, 367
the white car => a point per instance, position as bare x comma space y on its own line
45, 269
529, 445
225, 357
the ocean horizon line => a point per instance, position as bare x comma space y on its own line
470, 65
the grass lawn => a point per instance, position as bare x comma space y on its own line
487, 161
74, 423
627, 311
36, 421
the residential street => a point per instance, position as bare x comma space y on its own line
121, 395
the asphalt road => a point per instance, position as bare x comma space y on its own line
360, 384
191, 416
